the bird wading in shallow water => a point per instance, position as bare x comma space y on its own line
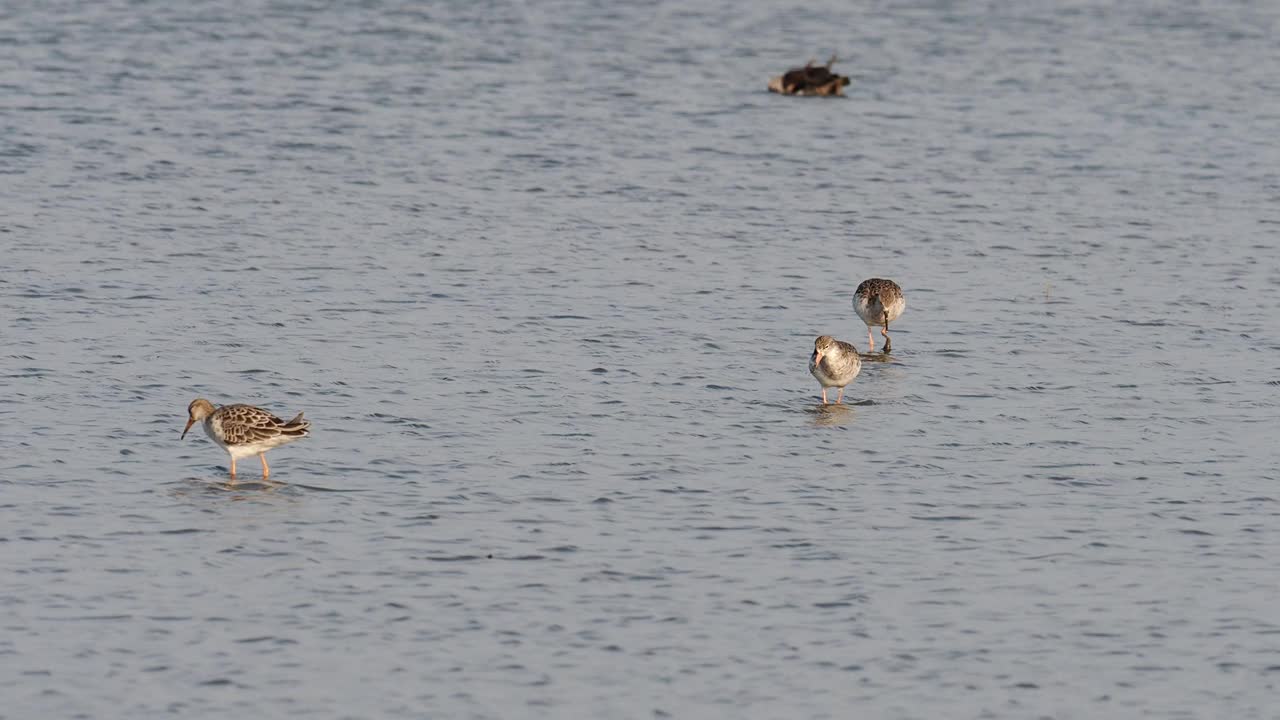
244, 430
835, 364
879, 302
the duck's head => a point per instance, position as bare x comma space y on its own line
198, 410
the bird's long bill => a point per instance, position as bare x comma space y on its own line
190, 422
817, 357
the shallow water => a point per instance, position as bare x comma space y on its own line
545, 278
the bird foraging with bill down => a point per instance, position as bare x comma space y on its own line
245, 430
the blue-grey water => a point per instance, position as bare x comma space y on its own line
546, 277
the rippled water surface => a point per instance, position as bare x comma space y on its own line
546, 276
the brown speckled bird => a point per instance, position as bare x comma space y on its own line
879, 302
244, 430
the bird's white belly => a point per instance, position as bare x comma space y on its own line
872, 314
825, 379
250, 449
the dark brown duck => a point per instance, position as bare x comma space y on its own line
810, 80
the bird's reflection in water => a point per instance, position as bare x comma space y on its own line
268, 486
833, 414
246, 489
241, 490
876, 357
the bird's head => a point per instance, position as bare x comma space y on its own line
198, 410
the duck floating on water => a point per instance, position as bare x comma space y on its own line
810, 80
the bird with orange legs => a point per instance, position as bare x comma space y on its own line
244, 430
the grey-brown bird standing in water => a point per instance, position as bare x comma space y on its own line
244, 430
835, 364
879, 302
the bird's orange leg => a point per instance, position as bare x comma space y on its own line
265, 470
